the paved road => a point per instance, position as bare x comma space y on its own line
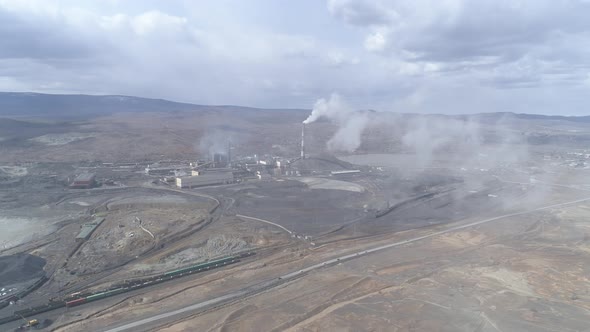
169, 314
537, 182
269, 284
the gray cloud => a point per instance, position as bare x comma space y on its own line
402, 55
500, 52
459, 30
361, 12
187, 56
39, 39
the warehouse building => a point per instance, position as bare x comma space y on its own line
84, 181
87, 229
344, 173
206, 179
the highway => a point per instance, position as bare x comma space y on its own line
233, 296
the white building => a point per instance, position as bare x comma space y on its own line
206, 179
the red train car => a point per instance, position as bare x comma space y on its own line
75, 302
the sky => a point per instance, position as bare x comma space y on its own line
413, 56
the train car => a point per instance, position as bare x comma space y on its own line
9, 319
106, 294
80, 298
40, 309
205, 265
73, 303
246, 254
192, 267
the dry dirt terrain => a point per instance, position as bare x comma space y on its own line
527, 272
445, 232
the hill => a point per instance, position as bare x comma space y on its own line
56, 106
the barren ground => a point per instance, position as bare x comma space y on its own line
524, 268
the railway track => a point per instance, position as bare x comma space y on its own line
216, 213
41, 291
266, 285
125, 287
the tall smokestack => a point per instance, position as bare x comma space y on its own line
229, 154
303, 141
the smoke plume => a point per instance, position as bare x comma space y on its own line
351, 123
467, 143
348, 136
334, 109
216, 141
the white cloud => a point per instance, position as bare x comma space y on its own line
376, 41
153, 21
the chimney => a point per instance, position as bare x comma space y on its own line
303, 141
229, 154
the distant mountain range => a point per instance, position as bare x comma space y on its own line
28, 104
525, 116
24, 104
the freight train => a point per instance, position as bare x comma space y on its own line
15, 297
136, 284
80, 298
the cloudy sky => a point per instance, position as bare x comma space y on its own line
430, 56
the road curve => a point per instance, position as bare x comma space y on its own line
266, 222
237, 294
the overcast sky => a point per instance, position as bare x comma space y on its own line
430, 56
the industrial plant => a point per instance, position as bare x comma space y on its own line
323, 216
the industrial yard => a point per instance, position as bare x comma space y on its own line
385, 238
302, 166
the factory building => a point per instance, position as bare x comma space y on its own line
84, 181
219, 170
220, 160
164, 170
207, 179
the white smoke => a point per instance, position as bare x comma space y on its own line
350, 122
334, 109
216, 141
430, 136
348, 136
467, 143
